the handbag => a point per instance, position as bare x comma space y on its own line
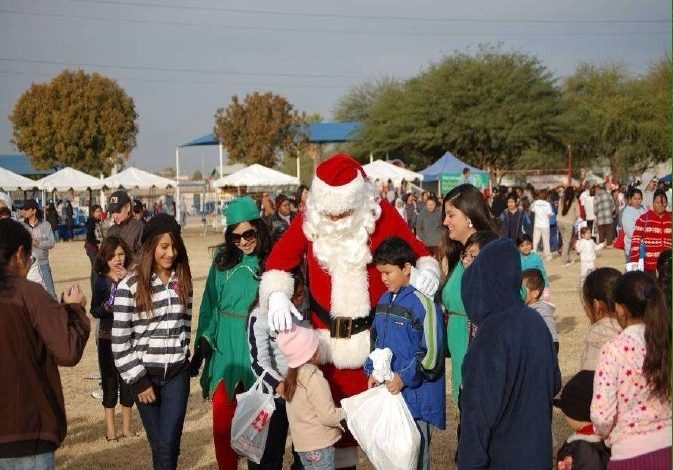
619, 242
250, 425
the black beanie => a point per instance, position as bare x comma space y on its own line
160, 223
575, 400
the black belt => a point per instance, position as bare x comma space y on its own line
341, 327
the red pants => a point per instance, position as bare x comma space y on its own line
223, 413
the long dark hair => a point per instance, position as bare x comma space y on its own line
228, 255
600, 285
106, 251
568, 199
467, 199
145, 268
639, 294
12, 236
664, 274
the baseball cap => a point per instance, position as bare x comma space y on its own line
117, 200
137, 206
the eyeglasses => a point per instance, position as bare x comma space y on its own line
248, 235
467, 257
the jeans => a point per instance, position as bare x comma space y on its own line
163, 419
541, 232
32, 462
45, 272
320, 459
424, 453
92, 257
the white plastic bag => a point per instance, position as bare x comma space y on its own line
384, 428
250, 425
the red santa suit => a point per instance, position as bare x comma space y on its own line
342, 296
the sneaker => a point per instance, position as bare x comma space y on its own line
97, 394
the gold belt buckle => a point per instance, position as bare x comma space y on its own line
342, 327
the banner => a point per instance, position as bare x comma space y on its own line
448, 181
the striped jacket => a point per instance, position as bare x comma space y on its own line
655, 230
154, 345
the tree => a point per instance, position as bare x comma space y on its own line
618, 119
260, 129
356, 103
488, 108
86, 121
197, 175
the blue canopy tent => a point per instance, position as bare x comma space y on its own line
665, 179
447, 164
318, 133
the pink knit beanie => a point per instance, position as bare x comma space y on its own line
298, 345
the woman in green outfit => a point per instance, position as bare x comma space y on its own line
221, 338
465, 212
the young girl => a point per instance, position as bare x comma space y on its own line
150, 336
599, 306
222, 335
631, 405
110, 266
587, 248
531, 260
270, 364
315, 423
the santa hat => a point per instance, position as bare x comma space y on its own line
339, 185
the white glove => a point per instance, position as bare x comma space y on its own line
281, 310
425, 282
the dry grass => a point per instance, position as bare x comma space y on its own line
86, 448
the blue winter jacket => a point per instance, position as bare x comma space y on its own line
510, 372
411, 326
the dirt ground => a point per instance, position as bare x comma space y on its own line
85, 447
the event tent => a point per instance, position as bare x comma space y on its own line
137, 178
384, 171
68, 178
447, 164
256, 175
10, 181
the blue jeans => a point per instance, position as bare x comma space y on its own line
164, 418
45, 272
320, 459
424, 453
32, 462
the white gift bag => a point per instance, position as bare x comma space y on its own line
384, 428
250, 425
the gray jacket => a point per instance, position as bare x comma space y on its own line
429, 226
43, 233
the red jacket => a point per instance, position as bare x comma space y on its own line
655, 230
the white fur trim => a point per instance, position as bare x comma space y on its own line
336, 200
584, 437
350, 293
344, 353
274, 280
429, 265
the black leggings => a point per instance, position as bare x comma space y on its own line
110, 379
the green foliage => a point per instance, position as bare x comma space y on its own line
197, 175
617, 119
356, 103
488, 108
260, 129
81, 120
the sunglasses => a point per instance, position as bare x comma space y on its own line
248, 235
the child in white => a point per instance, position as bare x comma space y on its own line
587, 248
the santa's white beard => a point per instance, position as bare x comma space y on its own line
342, 247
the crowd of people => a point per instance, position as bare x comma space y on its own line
303, 288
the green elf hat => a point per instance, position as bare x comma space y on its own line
241, 209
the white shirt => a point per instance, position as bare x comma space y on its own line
543, 211
588, 203
587, 249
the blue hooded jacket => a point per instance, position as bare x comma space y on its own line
510, 372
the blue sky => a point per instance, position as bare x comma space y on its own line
182, 59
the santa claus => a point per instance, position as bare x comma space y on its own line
343, 224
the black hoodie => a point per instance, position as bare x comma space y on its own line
510, 372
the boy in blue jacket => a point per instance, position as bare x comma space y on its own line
410, 325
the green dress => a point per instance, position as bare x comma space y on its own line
223, 322
457, 333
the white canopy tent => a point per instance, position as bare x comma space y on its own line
256, 175
67, 179
137, 178
10, 181
384, 171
